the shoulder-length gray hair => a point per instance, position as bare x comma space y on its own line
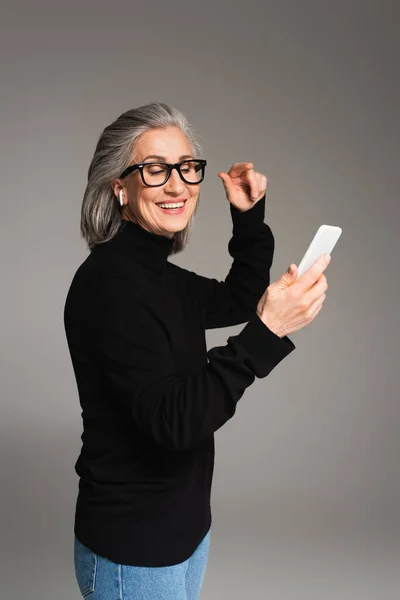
101, 211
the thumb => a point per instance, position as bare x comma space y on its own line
225, 178
289, 275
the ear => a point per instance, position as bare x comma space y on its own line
117, 186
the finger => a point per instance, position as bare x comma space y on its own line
318, 306
312, 274
253, 181
317, 295
259, 188
238, 168
262, 185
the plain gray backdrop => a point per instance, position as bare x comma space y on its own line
306, 489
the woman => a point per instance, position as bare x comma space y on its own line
151, 394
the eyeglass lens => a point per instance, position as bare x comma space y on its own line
156, 173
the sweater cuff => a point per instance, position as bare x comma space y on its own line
265, 348
249, 218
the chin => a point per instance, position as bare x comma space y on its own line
178, 227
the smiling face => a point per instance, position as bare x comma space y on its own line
140, 201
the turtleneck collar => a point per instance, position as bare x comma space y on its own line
142, 246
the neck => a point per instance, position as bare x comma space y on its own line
128, 216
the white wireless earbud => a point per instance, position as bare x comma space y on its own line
121, 201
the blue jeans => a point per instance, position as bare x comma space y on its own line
103, 579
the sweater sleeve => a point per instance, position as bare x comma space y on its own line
234, 300
137, 361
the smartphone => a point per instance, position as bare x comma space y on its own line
323, 243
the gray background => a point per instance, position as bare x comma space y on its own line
306, 485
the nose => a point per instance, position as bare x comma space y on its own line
175, 183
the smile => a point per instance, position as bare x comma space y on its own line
172, 207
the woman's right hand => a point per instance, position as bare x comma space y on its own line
288, 305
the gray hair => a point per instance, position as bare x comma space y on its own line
101, 211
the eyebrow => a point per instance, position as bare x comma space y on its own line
163, 157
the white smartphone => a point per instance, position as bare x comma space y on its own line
323, 243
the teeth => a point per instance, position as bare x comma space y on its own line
171, 205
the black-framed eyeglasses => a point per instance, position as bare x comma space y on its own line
157, 173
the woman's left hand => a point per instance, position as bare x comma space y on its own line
243, 186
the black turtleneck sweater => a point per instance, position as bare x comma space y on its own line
151, 394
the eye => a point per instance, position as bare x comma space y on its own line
155, 169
